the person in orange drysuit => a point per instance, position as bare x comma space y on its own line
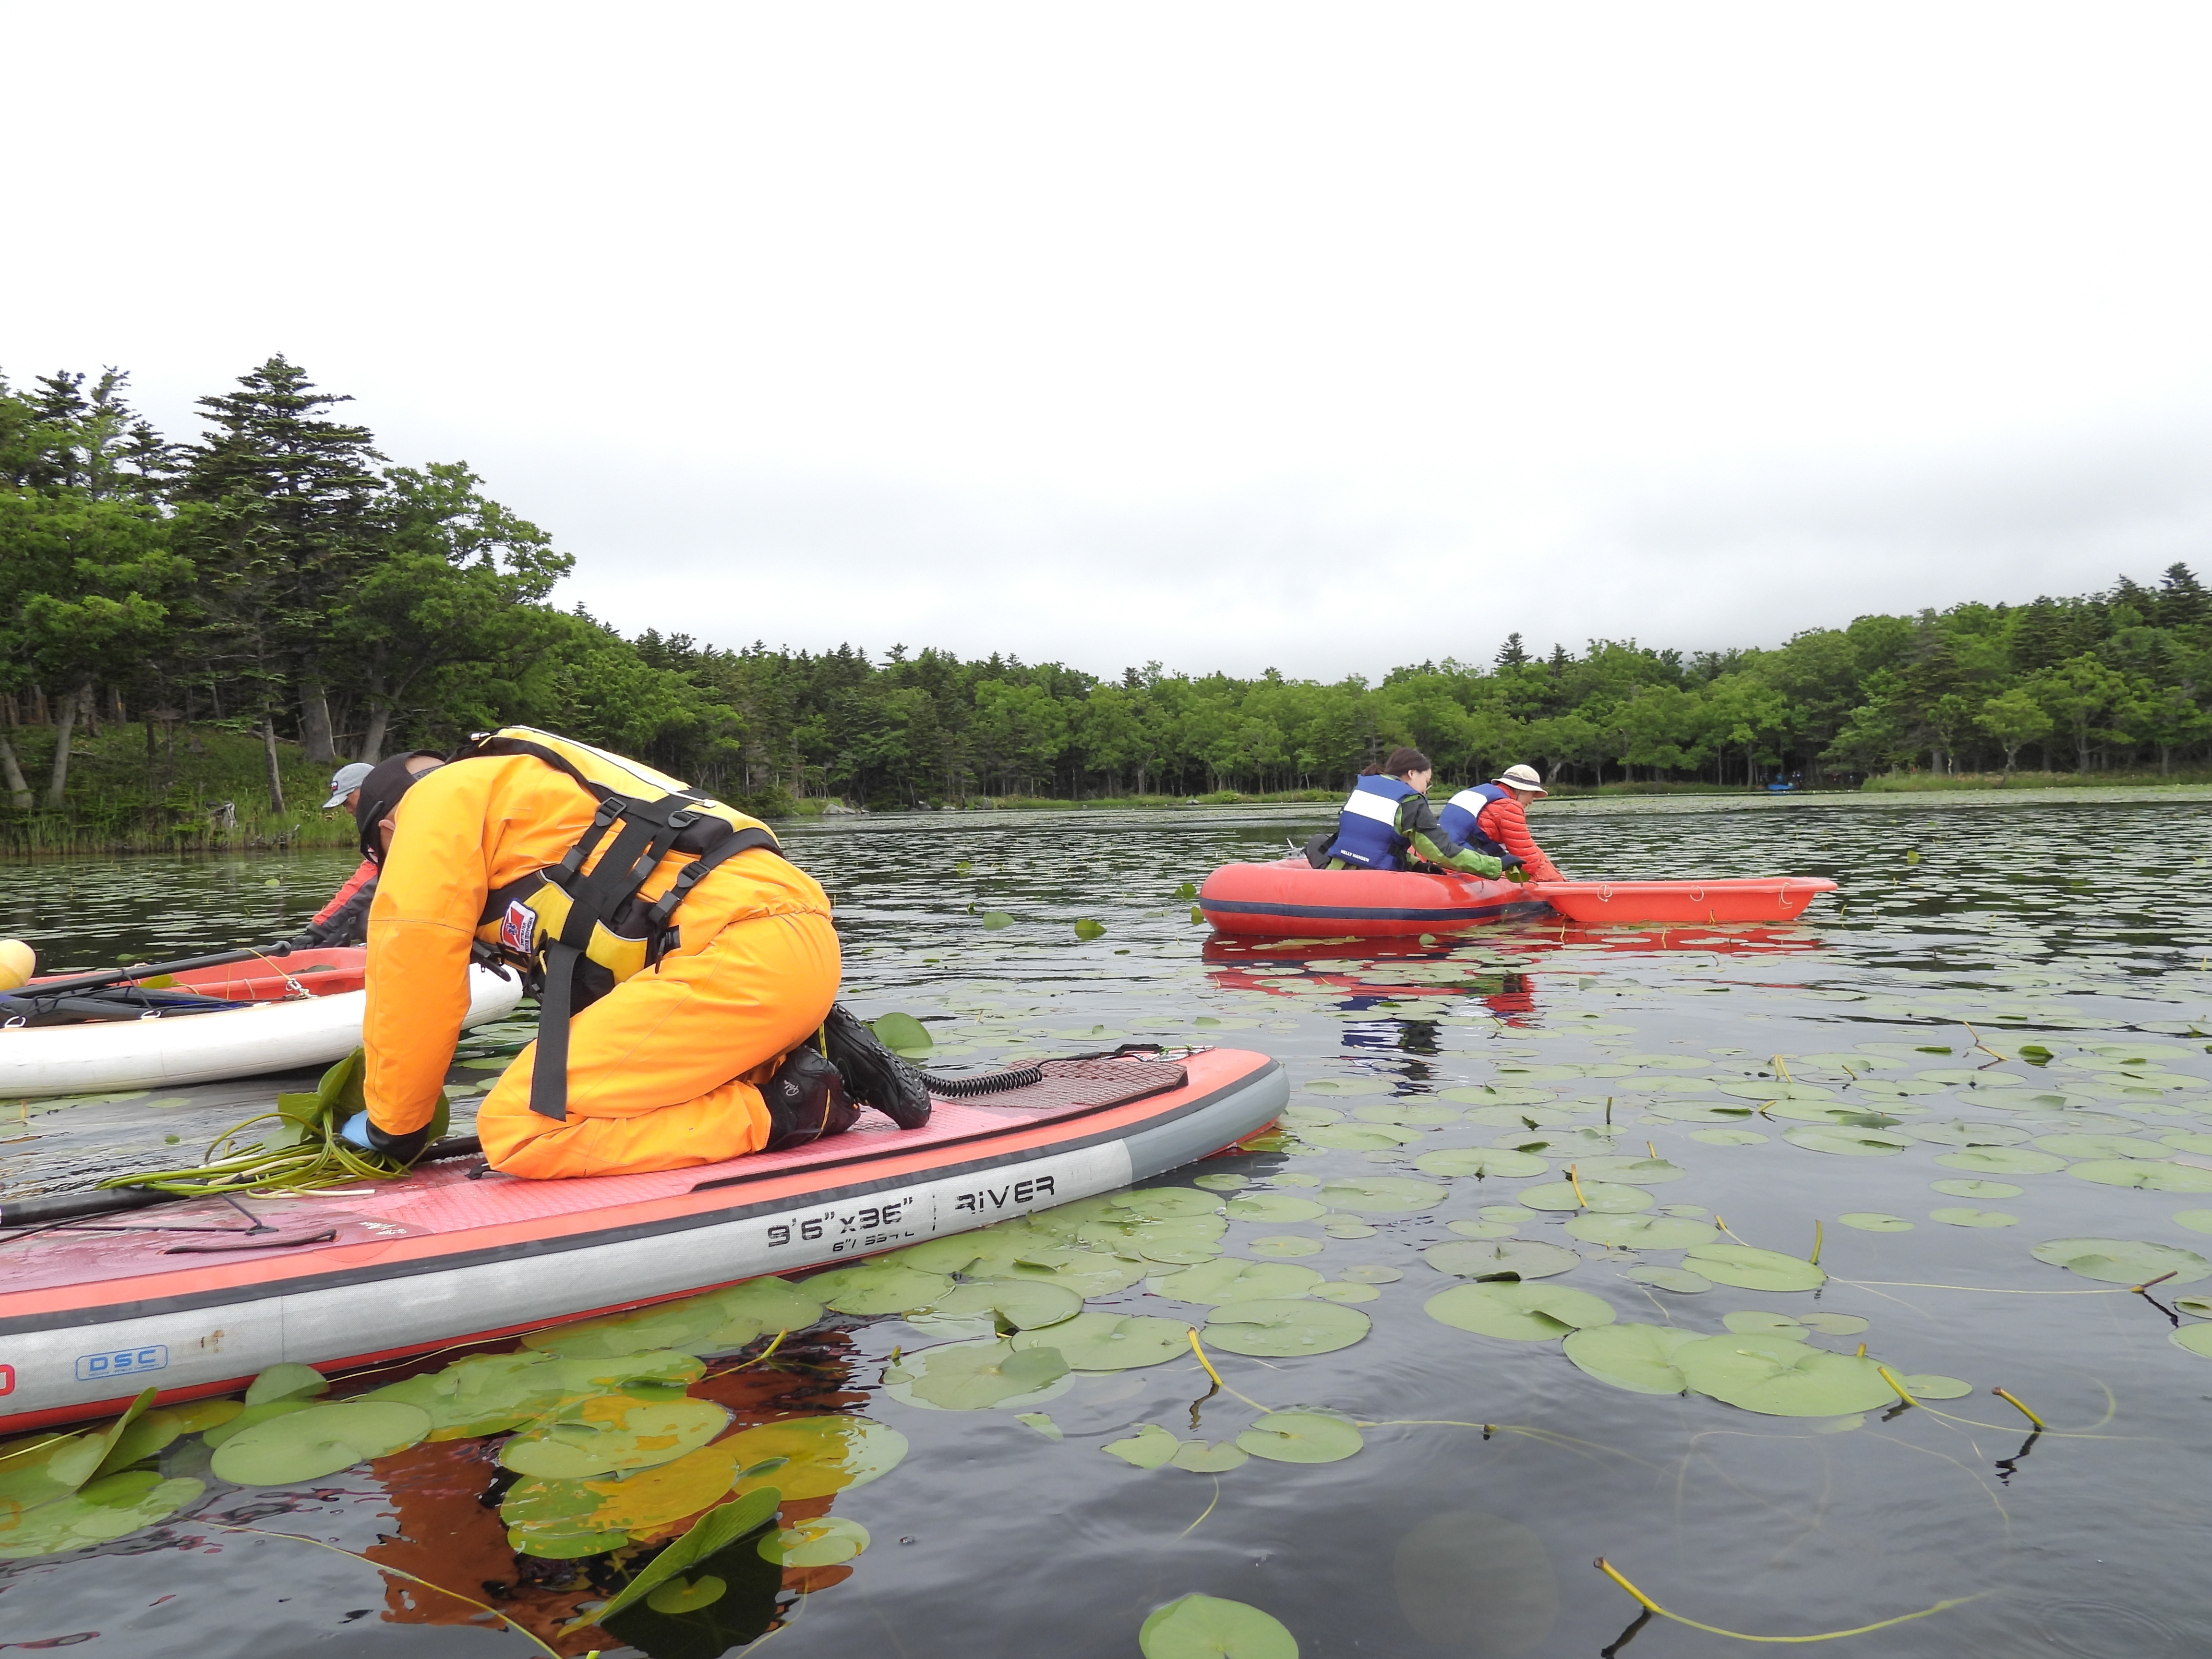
1492, 818
665, 1069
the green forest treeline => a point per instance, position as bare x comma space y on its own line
278, 589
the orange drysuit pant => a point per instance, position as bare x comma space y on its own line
663, 1071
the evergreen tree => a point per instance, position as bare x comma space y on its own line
292, 518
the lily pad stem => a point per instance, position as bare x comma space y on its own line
1218, 1383
1651, 1606
1815, 1257
2013, 1400
1575, 1182
1890, 1377
397, 1572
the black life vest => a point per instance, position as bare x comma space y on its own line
577, 934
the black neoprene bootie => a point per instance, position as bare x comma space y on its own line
873, 1075
805, 1101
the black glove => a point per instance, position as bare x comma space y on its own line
359, 1132
805, 1101
873, 1075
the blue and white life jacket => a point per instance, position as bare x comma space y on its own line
1367, 836
1460, 818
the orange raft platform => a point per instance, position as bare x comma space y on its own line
1290, 899
195, 1299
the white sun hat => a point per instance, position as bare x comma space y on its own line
1519, 777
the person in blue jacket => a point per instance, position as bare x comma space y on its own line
1387, 823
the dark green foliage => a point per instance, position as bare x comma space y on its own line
278, 580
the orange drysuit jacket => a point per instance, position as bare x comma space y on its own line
662, 1070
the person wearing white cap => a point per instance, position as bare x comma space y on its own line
1492, 818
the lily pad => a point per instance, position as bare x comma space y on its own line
1636, 1357
2145, 1177
2103, 1146
1757, 1322
1635, 1171
1480, 1162
1729, 1137
877, 1287
1365, 1274
1846, 1142
1344, 1226
1112, 1341
1166, 1203
1087, 1273
2198, 1221
1002, 1305
286, 1381
2002, 1160
1832, 1324
1354, 1085
1480, 1229
1976, 1189
1639, 1232
1274, 1207
2124, 1260
2197, 1338
975, 1376
1383, 1194
604, 1433
1780, 1378
1336, 1292
1301, 1437
1962, 1216
1496, 1258
1751, 1269
113, 1506
1968, 1135
903, 1034
807, 1457
1596, 1196
1517, 1313
1184, 1241
321, 1440
1407, 1112
1926, 1386
713, 1532
1233, 1279
1224, 1182
1285, 1244
1201, 1459
1680, 1280
1150, 1448
1282, 1330
1209, 1627
824, 1541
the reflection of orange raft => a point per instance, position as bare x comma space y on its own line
1290, 899
194, 1301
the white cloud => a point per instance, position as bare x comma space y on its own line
1227, 334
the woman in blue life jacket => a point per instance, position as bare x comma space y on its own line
1387, 823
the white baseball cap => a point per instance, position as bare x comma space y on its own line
350, 777
1519, 777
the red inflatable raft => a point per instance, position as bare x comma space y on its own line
1290, 899
195, 1299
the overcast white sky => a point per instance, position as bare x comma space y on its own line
1326, 337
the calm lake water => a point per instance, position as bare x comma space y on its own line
1997, 1040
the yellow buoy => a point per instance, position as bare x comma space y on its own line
18, 962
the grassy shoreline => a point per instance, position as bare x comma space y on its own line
124, 799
